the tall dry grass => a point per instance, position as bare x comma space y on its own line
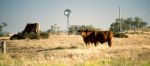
70, 50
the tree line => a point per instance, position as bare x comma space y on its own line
73, 29
121, 25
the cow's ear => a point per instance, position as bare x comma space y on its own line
86, 30
89, 30
79, 30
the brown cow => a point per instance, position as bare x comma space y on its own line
90, 36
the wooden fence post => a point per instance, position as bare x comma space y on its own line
3, 46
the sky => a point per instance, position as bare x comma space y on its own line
99, 13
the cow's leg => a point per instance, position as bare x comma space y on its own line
95, 43
109, 43
86, 44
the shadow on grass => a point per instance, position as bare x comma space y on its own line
57, 48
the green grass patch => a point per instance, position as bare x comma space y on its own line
104, 62
6, 60
118, 61
146, 63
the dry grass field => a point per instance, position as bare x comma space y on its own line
70, 50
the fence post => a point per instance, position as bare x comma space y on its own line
3, 46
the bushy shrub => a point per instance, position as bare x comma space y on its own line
31, 35
120, 35
44, 35
17, 36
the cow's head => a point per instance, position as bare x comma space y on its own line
85, 33
82, 33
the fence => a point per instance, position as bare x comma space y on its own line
3, 47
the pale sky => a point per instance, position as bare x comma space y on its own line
99, 13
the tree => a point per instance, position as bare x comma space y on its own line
137, 22
128, 23
74, 28
2, 25
54, 29
115, 27
143, 24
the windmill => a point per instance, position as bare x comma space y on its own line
67, 13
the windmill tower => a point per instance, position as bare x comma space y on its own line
67, 13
